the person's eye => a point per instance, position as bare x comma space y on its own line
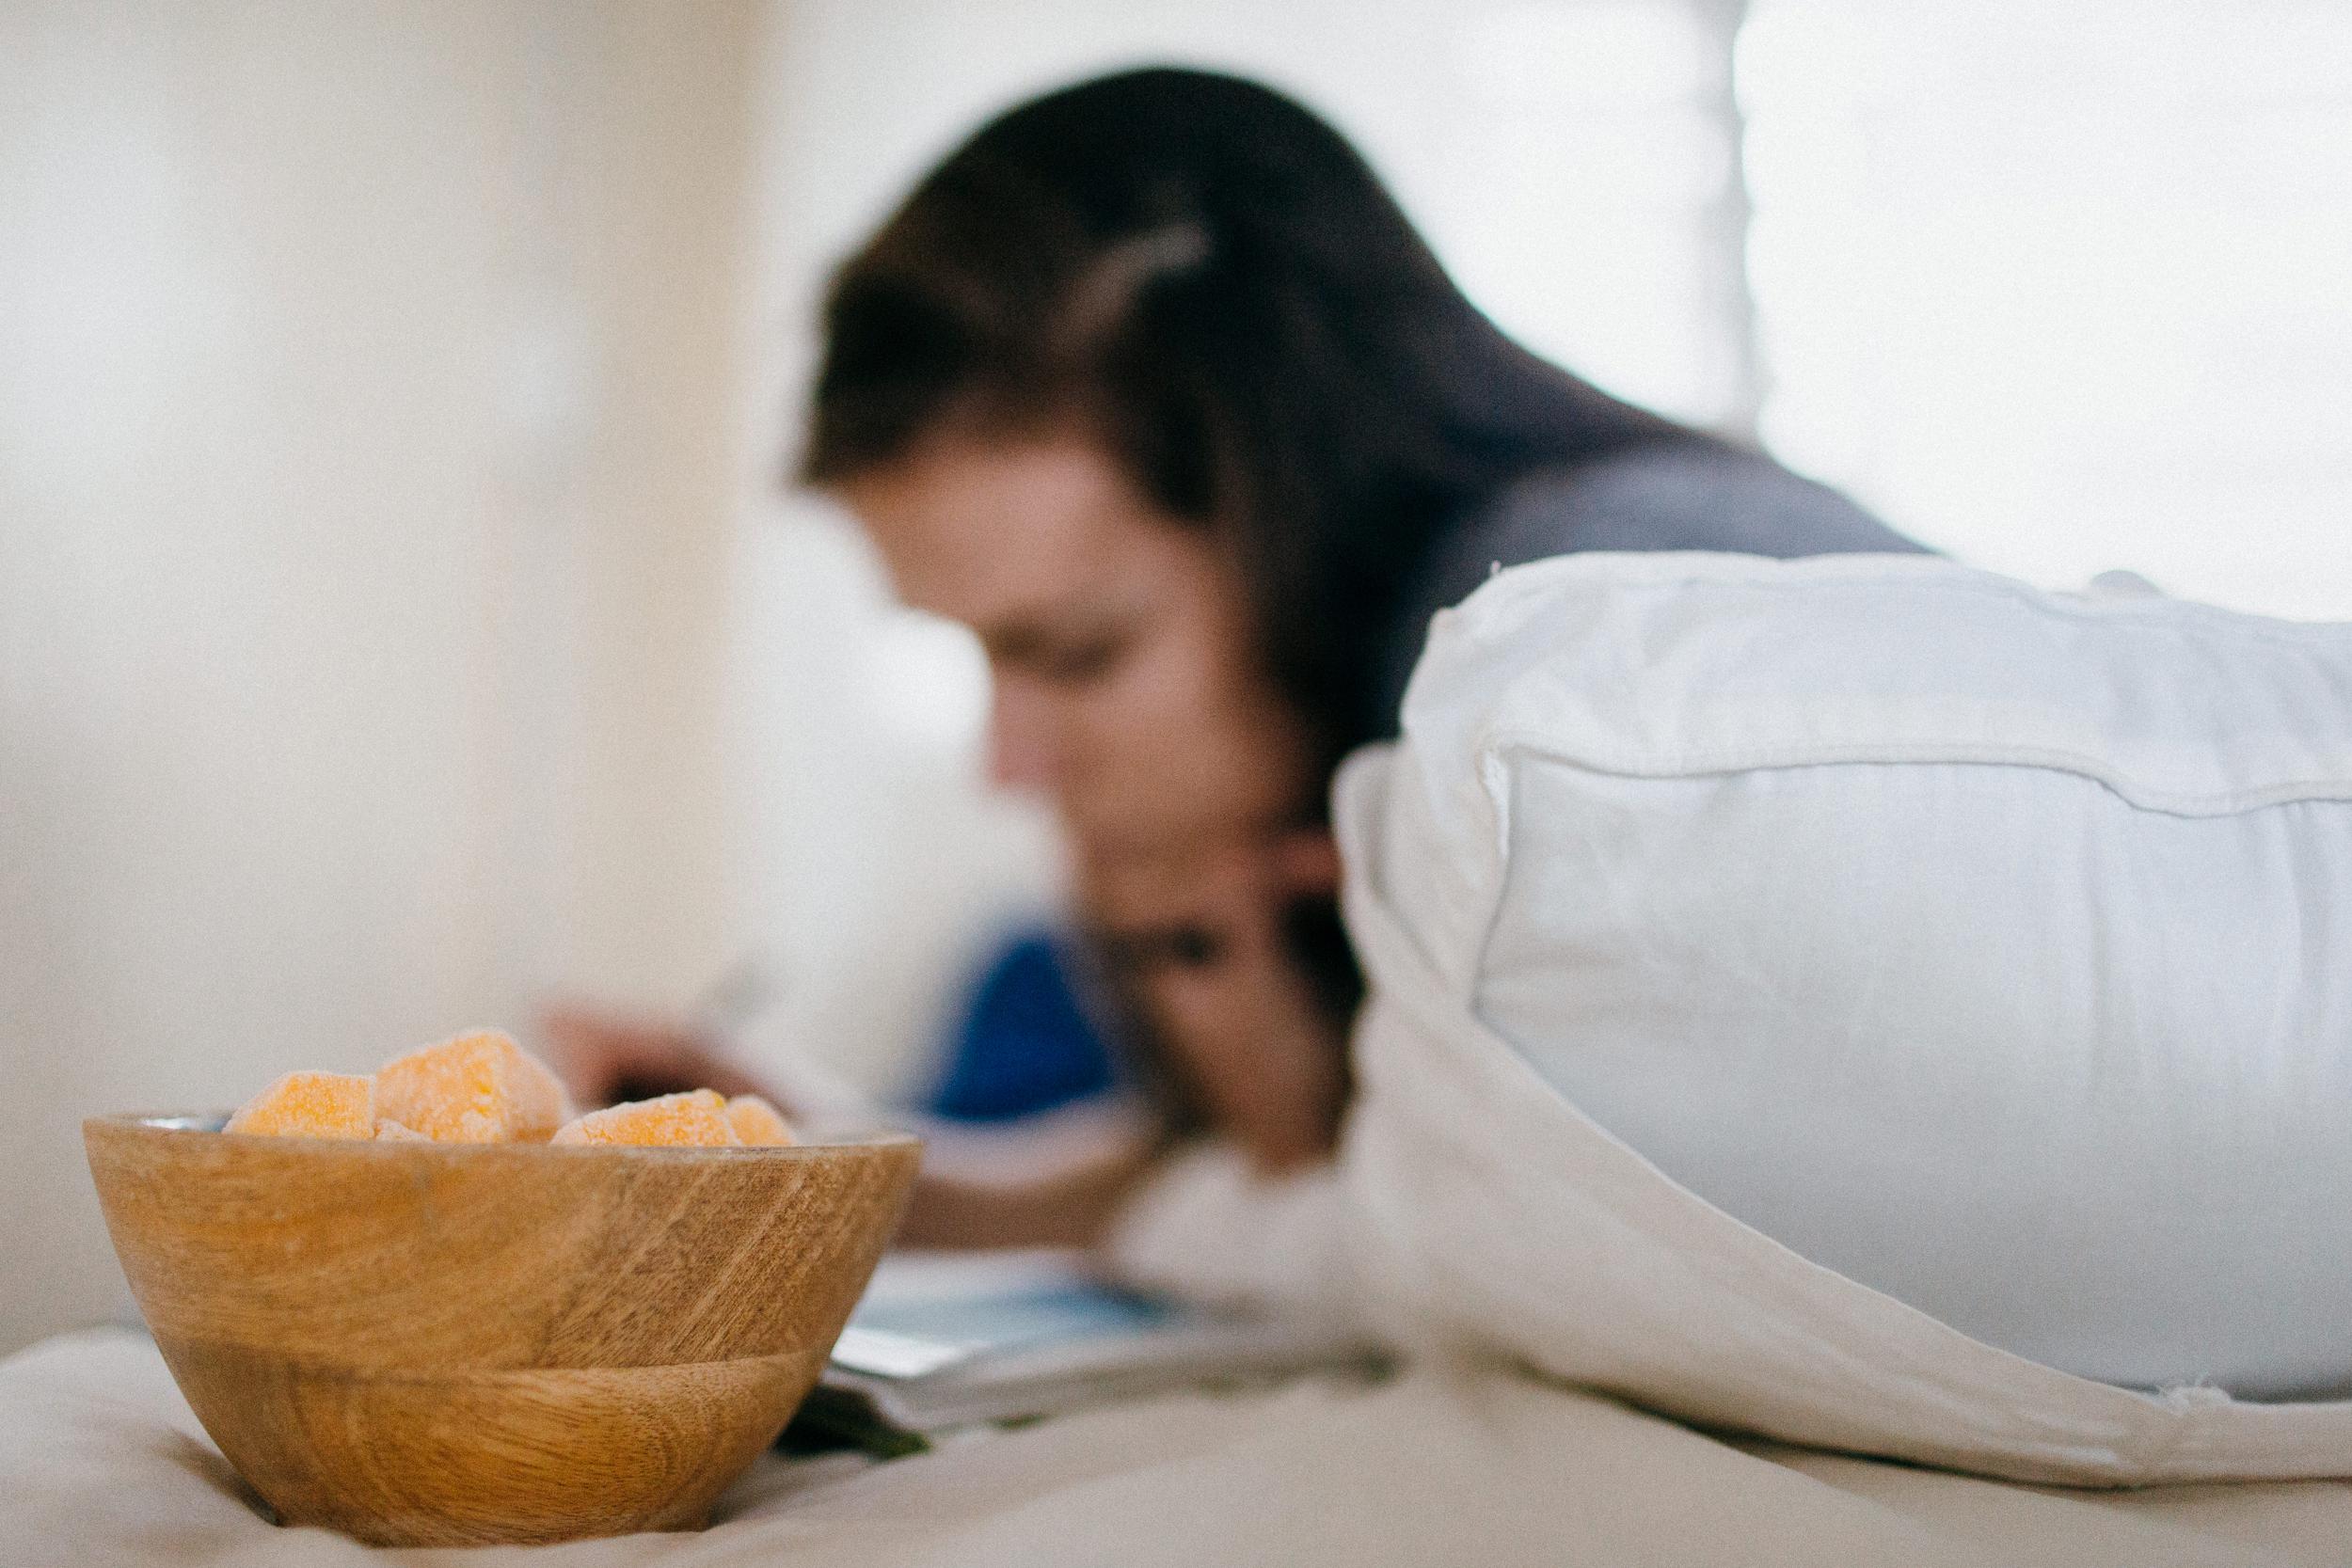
1081, 660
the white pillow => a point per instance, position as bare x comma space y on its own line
1926, 937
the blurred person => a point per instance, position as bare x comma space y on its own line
1154, 386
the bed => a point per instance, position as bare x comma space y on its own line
101, 1462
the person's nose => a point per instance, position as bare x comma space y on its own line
1022, 750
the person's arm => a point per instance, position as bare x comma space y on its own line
1199, 941
1063, 1204
1202, 942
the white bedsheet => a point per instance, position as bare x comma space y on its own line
102, 1463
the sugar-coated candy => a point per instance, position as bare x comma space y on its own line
477, 1088
757, 1122
311, 1105
698, 1118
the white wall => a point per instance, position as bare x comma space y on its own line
367, 487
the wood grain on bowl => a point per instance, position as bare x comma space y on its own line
438, 1344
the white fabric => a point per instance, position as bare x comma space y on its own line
102, 1463
1989, 946
1209, 1228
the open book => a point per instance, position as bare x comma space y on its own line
950, 1340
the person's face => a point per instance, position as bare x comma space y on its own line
1126, 685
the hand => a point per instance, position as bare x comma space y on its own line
1196, 935
604, 1058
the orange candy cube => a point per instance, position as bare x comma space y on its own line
757, 1122
476, 1088
311, 1105
484, 1088
698, 1120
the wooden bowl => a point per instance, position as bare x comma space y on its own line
424, 1343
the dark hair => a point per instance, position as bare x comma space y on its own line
1208, 279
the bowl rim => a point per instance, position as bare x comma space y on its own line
209, 1125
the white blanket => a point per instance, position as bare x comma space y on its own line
102, 1463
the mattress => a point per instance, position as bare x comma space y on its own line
101, 1462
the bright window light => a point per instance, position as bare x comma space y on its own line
2064, 287
1588, 156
